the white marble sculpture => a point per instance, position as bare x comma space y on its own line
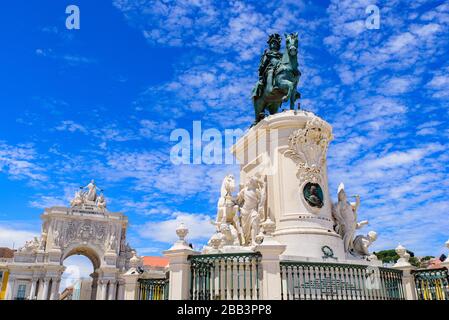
101, 202
227, 210
111, 242
92, 191
78, 200
404, 257
229, 235
361, 243
56, 236
134, 263
31, 245
251, 200
89, 198
43, 241
345, 216
227, 222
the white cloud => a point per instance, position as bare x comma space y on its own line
19, 162
10, 237
199, 225
400, 158
109, 133
71, 126
43, 52
152, 171
213, 88
149, 251
70, 59
439, 83
48, 201
235, 26
157, 130
398, 85
400, 42
429, 128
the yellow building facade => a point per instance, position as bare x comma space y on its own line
4, 274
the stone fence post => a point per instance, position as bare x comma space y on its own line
179, 266
270, 263
408, 280
445, 263
130, 287
130, 279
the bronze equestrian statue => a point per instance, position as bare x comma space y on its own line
278, 76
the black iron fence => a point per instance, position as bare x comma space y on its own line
432, 284
153, 289
334, 281
230, 276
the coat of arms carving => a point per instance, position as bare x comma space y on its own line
308, 147
86, 232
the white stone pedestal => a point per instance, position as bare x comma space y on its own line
130, 286
271, 251
289, 150
179, 270
408, 280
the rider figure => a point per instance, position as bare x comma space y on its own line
268, 62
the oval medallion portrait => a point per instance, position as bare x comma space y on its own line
313, 194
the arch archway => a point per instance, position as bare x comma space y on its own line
86, 250
79, 281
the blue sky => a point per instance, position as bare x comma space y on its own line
101, 102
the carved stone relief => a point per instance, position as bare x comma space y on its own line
308, 148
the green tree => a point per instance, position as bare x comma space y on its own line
390, 256
426, 258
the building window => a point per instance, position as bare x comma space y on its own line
21, 292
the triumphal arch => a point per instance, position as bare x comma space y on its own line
86, 228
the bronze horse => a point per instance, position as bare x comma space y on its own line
285, 80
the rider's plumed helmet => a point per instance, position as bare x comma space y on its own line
274, 38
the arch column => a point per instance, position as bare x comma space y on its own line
112, 290
55, 289
101, 289
121, 290
94, 288
32, 295
45, 289
40, 289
